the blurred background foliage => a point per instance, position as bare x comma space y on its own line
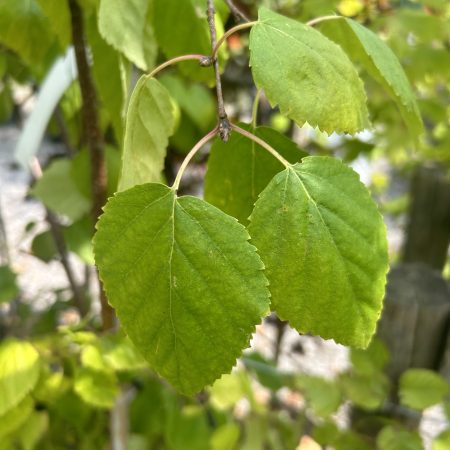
66, 384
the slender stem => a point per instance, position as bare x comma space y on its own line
313, 22
204, 61
237, 13
224, 124
94, 136
192, 153
262, 143
255, 107
226, 35
60, 243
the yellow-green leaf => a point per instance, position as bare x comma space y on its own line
307, 75
187, 286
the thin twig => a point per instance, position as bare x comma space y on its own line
192, 153
313, 22
226, 35
60, 243
204, 61
94, 136
262, 143
237, 13
224, 123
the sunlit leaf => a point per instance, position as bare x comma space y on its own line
19, 372
171, 295
308, 76
323, 242
150, 122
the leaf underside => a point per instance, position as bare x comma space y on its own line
126, 25
307, 75
323, 243
150, 122
186, 284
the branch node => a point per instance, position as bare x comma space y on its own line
224, 129
206, 61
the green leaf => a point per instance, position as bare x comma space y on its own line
229, 389
187, 286
126, 25
150, 122
225, 437
442, 442
308, 76
187, 429
371, 360
96, 388
323, 243
194, 99
15, 417
107, 69
25, 29
78, 237
324, 397
33, 430
58, 190
19, 372
421, 388
43, 246
240, 169
181, 28
8, 286
366, 391
58, 14
121, 354
267, 373
365, 47
392, 438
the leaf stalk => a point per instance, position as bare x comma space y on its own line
262, 143
226, 35
204, 61
205, 139
317, 20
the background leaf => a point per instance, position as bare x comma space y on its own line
318, 218
58, 189
392, 438
8, 286
25, 29
240, 169
97, 388
150, 122
126, 25
19, 371
421, 388
308, 76
190, 310
365, 47
190, 35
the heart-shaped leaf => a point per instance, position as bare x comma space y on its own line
323, 242
306, 74
187, 286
